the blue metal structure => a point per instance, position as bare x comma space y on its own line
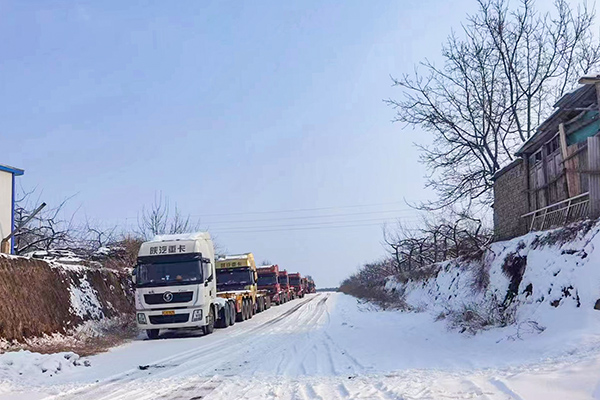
14, 172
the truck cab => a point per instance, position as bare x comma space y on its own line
284, 282
296, 284
311, 285
268, 280
175, 284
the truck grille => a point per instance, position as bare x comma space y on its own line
169, 319
157, 298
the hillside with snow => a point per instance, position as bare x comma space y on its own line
541, 281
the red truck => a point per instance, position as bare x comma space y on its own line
287, 293
311, 285
296, 285
268, 279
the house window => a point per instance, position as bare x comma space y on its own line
553, 145
536, 157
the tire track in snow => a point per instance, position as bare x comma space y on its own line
210, 351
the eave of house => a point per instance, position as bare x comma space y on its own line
566, 108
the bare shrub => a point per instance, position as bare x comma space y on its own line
514, 267
473, 318
481, 276
416, 252
369, 284
558, 237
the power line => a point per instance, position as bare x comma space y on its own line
296, 210
299, 229
240, 228
323, 216
308, 217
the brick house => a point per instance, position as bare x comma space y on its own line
555, 178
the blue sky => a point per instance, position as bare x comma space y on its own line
226, 108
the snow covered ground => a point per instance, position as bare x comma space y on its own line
330, 346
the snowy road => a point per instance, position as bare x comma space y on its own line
329, 346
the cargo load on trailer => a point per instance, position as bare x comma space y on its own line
268, 279
237, 281
175, 285
296, 284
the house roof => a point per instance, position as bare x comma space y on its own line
567, 107
12, 170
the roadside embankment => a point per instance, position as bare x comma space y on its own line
536, 281
40, 300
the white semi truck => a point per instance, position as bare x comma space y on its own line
176, 285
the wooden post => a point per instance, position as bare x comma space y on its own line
593, 143
5, 246
568, 164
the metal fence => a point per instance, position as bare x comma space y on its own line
558, 214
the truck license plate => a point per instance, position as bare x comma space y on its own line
170, 312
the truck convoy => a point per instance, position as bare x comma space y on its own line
268, 279
178, 285
237, 281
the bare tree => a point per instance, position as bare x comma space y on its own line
436, 239
49, 229
161, 219
499, 80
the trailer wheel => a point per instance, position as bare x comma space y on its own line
251, 309
208, 329
241, 316
152, 333
232, 313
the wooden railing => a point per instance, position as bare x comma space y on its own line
559, 214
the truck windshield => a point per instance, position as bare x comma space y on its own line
174, 273
283, 281
295, 281
267, 280
233, 278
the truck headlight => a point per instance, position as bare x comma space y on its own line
141, 318
197, 315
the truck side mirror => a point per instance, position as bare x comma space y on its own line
134, 276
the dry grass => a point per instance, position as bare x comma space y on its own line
119, 331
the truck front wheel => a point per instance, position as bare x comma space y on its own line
152, 333
208, 329
223, 321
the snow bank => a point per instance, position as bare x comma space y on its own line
25, 364
528, 280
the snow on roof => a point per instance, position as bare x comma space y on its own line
182, 236
235, 257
